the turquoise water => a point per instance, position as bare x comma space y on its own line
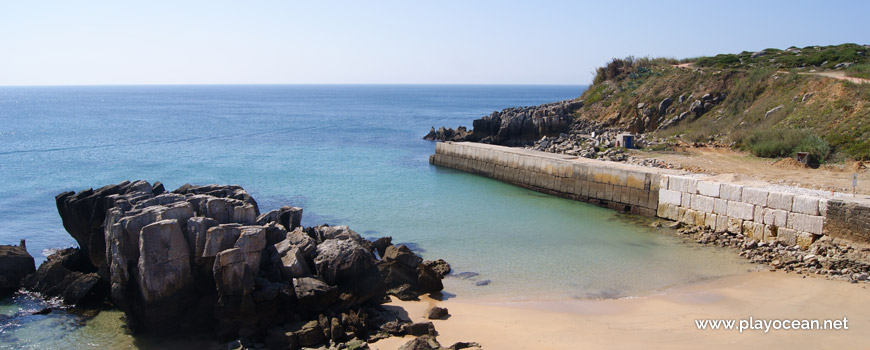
349, 155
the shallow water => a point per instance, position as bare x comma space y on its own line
350, 155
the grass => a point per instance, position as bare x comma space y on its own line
594, 94
859, 71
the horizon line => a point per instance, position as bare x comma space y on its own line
288, 84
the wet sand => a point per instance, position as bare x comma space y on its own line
666, 320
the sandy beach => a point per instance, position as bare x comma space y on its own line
666, 320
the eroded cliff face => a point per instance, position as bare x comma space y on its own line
517, 126
203, 257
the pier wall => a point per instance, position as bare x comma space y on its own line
617, 186
792, 217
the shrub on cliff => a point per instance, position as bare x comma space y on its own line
773, 143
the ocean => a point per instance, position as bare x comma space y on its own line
348, 155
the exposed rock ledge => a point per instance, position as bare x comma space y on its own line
518, 126
203, 257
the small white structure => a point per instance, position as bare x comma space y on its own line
625, 140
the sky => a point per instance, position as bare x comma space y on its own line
390, 42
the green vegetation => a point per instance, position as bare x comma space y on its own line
766, 104
859, 71
774, 143
620, 68
826, 57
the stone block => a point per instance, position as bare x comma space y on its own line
823, 207
758, 214
702, 203
635, 180
679, 183
775, 217
731, 192
786, 235
740, 210
670, 197
805, 239
686, 199
710, 221
700, 218
653, 199
663, 182
753, 230
681, 212
806, 223
805, 205
721, 223
692, 186
735, 225
689, 218
709, 188
755, 196
720, 206
662, 210
779, 200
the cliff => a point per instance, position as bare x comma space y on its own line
771, 102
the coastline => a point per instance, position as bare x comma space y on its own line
665, 319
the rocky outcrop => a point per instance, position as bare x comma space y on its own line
517, 126
202, 257
68, 274
460, 134
15, 264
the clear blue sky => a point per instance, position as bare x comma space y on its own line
327, 42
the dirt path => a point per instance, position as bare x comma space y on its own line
839, 75
744, 167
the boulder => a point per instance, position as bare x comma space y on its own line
421, 328
440, 267
381, 245
60, 276
164, 277
291, 261
436, 313
308, 333
424, 342
341, 260
280, 338
403, 255
663, 106
83, 215
312, 291
298, 238
289, 217
232, 274
464, 345
15, 264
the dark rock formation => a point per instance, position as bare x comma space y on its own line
517, 126
460, 134
436, 313
69, 275
15, 264
202, 257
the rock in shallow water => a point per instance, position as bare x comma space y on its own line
200, 257
15, 264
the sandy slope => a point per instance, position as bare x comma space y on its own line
662, 321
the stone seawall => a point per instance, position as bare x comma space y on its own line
790, 215
618, 186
